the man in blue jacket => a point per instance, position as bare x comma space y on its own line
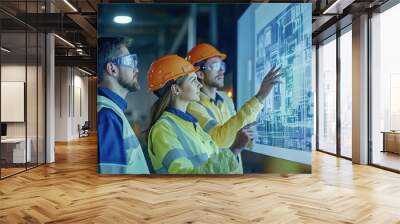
118, 147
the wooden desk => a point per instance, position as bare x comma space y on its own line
13, 150
391, 141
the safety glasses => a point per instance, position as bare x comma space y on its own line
129, 60
216, 66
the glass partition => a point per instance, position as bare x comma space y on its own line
22, 89
327, 96
346, 93
385, 89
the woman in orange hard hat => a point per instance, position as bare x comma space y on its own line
176, 142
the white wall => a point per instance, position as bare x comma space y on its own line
70, 83
61, 103
80, 84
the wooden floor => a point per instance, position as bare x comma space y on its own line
70, 191
5, 172
387, 159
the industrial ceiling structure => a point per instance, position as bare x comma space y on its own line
75, 24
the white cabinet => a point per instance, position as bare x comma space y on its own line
18, 149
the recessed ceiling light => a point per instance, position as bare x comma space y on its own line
122, 19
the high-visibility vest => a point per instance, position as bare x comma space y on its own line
177, 146
221, 121
136, 162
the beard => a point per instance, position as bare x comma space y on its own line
214, 80
131, 86
215, 83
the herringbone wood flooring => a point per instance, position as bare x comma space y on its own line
70, 191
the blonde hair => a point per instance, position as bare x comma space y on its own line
162, 103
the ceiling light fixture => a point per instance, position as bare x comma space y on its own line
122, 19
70, 5
5, 50
84, 71
338, 6
65, 41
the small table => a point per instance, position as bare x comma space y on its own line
391, 141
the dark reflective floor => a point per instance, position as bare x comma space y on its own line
258, 163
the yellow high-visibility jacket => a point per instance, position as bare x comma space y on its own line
178, 145
219, 118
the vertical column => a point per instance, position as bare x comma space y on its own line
213, 25
360, 90
92, 89
50, 92
192, 27
338, 91
161, 41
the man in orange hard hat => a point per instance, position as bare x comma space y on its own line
215, 111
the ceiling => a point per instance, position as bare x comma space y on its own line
77, 23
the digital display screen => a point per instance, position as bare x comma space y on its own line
281, 37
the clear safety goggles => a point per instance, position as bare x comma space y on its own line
129, 60
216, 66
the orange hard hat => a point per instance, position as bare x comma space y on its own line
166, 68
202, 52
